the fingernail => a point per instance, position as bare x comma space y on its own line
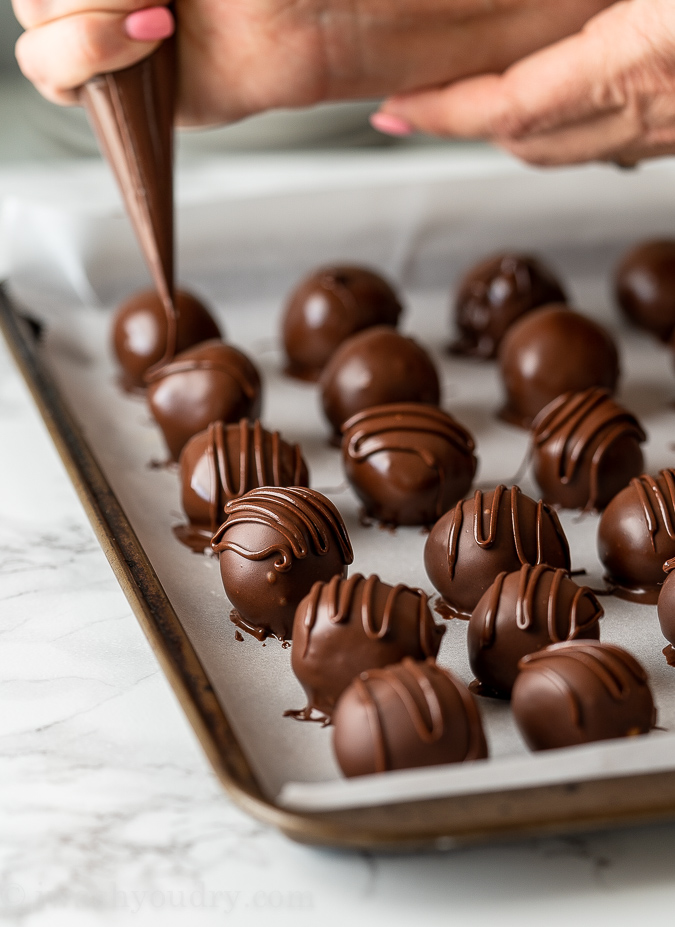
390, 125
149, 25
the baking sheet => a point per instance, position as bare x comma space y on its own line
245, 238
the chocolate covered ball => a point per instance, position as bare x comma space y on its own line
404, 716
494, 532
645, 287
140, 329
523, 612
636, 536
208, 383
274, 544
226, 461
407, 462
495, 293
345, 626
375, 367
666, 602
579, 692
329, 306
585, 449
549, 352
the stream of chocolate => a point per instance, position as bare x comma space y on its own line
132, 113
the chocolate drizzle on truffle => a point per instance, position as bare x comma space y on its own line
523, 612
226, 461
307, 521
345, 626
406, 715
290, 538
494, 532
579, 692
494, 294
339, 597
637, 534
487, 539
408, 462
586, 448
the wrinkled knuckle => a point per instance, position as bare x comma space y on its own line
511, 123
92, 44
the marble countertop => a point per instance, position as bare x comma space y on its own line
110, 814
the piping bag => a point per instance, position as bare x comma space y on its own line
132, 113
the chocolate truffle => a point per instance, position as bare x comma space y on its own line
585, 448
375, 367
140, 331
329, 306
578, 692
274, 544
636, 535
495, 293
495, 532
345, 626
552, 351
407, 462
523, 612
226, 461
645, 287
208, 383
404, 716
666, 602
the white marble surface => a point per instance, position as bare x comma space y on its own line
109, 813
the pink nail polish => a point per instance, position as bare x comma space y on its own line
390, 125
150, 25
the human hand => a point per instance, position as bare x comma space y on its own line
606, 93
238, 57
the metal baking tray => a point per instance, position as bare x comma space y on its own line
489, 809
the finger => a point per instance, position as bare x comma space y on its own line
33, 13
64, 54
559, 85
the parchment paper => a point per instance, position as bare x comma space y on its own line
248, 231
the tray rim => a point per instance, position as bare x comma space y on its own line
441, 822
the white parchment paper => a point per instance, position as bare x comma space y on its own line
248, 230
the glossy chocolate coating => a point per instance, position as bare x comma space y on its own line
346, 626
494, 532
585, 449
495, 293
375, 367
636, 536
225, 461
274, 544
523, 612
404, 716
645, 287
212, 382
549, 352
132, 114
407, 462
666, 602
329, 306
579, 692
140, 330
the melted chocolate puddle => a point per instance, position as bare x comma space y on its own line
196, 539
308, 714
443, 610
